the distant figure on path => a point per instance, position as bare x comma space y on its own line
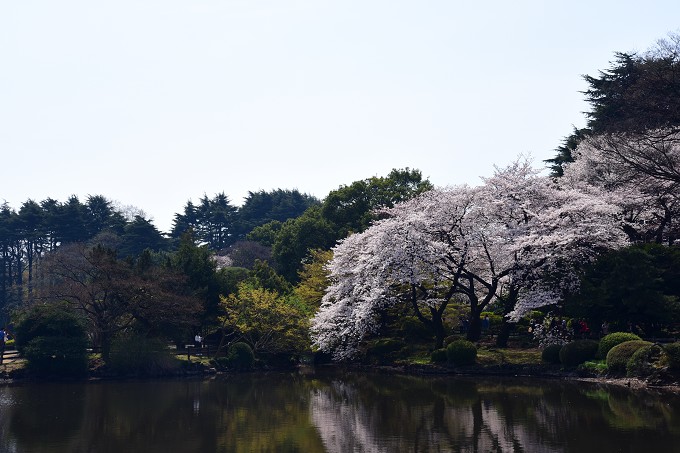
198, 340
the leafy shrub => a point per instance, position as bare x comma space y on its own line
551, 354
385, 349
619, 355
643, 361
438, 356
593, 367
412, 327
49, 356
577, 352
673, 355
138, 355
48, 320
52, 339
609, 341
461, 352
240, 356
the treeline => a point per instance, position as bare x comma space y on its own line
279, 227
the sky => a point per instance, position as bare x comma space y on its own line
153, 103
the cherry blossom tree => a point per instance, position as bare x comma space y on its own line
640, 174
505, 237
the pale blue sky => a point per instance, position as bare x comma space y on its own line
153, 103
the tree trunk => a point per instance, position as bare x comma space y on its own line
438, 327
474, 332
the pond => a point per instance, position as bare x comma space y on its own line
336, 412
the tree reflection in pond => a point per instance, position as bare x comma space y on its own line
331, 412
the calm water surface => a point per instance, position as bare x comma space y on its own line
336, 413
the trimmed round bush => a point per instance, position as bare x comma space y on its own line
577, 352
551, 354
139, 355
438, 356
240, 356
673, 355
461, 352
619, 355
609, 341
643, 361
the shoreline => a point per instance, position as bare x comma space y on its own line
510, 371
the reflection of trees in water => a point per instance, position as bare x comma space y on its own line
242, 414
414, 414
379, 413
30, 424
348, 413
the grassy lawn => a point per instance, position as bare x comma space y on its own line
487, 356
497, 356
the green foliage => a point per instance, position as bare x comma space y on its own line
138, 355
278, 205
351, 208
139, 235
52, 339
314, 278
268, 321
56, 356
637, 92
551, 354
644, 361
230, 277
348, 209
611, 340
637, 284
619, 355
461, 352
213, 221
673, 355
240, 356
597, 368
439, 356
413, 328
197, 264
577, 352
48, 320
265, 234
297, 237
264, 276
565, 150
385, 349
